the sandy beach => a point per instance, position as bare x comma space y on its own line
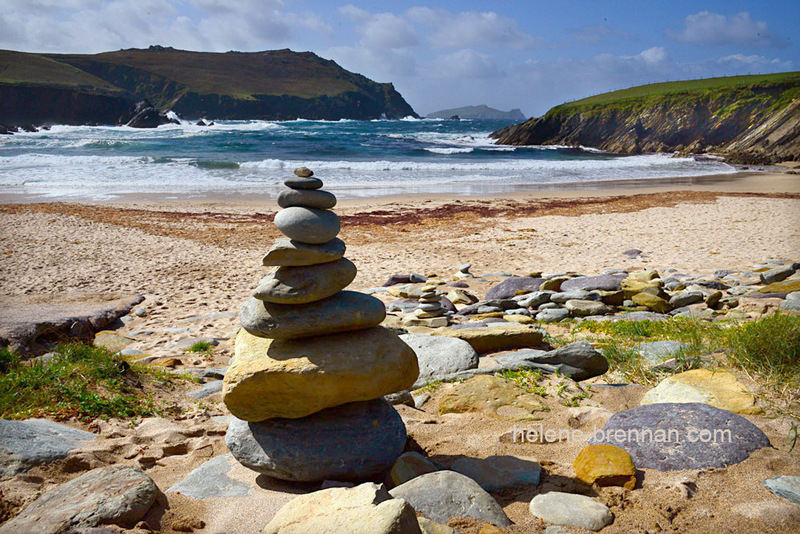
196, 261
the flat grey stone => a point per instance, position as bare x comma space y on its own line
211, 480
787, 487
400, 397
207, 390
499, 472
608, 282
503, 304
24, 444
552, 315
290, 253
349, 442
578, 360
344, 311
403, 305
578, 294
777, 274
29, 321
130, 352
639, 316
517, 357
509, 287
793, 296
674, 436
793, 305
108, 495
308, 225
571, 510
659, 351
445, 494
302, 182
535, 299
304, 284
583, 308
438, 356
307, 198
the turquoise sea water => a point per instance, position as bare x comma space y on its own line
355, 159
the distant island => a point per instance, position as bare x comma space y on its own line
115, 87
478, 112
747, 119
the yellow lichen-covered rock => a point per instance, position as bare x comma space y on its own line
492, 396
605, 465
496, 338
653, 302
295, 378
716, 388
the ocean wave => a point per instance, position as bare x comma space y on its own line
452, 150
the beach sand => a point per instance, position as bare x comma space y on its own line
195, 258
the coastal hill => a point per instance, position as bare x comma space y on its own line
270, 85
478, 112
746, 119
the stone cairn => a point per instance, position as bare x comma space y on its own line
311, 364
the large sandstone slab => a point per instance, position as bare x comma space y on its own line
496, 338
343, 312
26, 321
365, 509
350, 442
295, 378
717, 388
492, 396
108, 495
301, 285
440, 356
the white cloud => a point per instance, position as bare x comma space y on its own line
707, 28
387, 30
465, 65
754, 62
469, 29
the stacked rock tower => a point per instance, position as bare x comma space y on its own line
311, 364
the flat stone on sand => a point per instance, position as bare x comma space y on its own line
308, 225
671, 436
300, 285
350, 442
605, 282
439, 356
492, 396
717, 388
211, 480
26, 320
502, 337
24, 444
290, 253
498, 472
511, 286
343, 312
571, 510
787, 487
297, 377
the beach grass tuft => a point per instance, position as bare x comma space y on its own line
80, 381
201, 346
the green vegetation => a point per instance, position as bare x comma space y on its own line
201, 346
685, 87
24, 68
81, 381
526, 379
769, 348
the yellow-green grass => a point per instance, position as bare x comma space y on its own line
35, 69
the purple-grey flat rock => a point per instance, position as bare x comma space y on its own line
349, 442
24, 444
28, 320
509, 287
675, 436
606, 282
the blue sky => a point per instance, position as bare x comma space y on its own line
441, 54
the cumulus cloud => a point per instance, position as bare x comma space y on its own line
382, 30
754, 62
714, 29
469, 29
466, 64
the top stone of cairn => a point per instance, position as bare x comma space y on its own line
303, 179
303, 172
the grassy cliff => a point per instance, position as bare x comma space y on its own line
272, 85
746, 118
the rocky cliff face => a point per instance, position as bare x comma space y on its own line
759, 125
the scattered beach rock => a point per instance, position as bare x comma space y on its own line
410, 465
108, 495
349, 442
787, 487
24, 444
512, 285
578, 360
717, 388
211, 480
445, 494
552, 315
685, 299
608, 282
440, 356
777, 274
605, 465
492, 396
112, 341
499, 472
659, 351
678, 436
297, 377
503, 337
570, 510
582, 308
364, 509
287, 252
207, 390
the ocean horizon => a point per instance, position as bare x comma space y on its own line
355, 159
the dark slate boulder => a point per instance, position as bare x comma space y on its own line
675, 436
24, 444
509, 287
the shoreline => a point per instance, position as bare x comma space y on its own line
748, 181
